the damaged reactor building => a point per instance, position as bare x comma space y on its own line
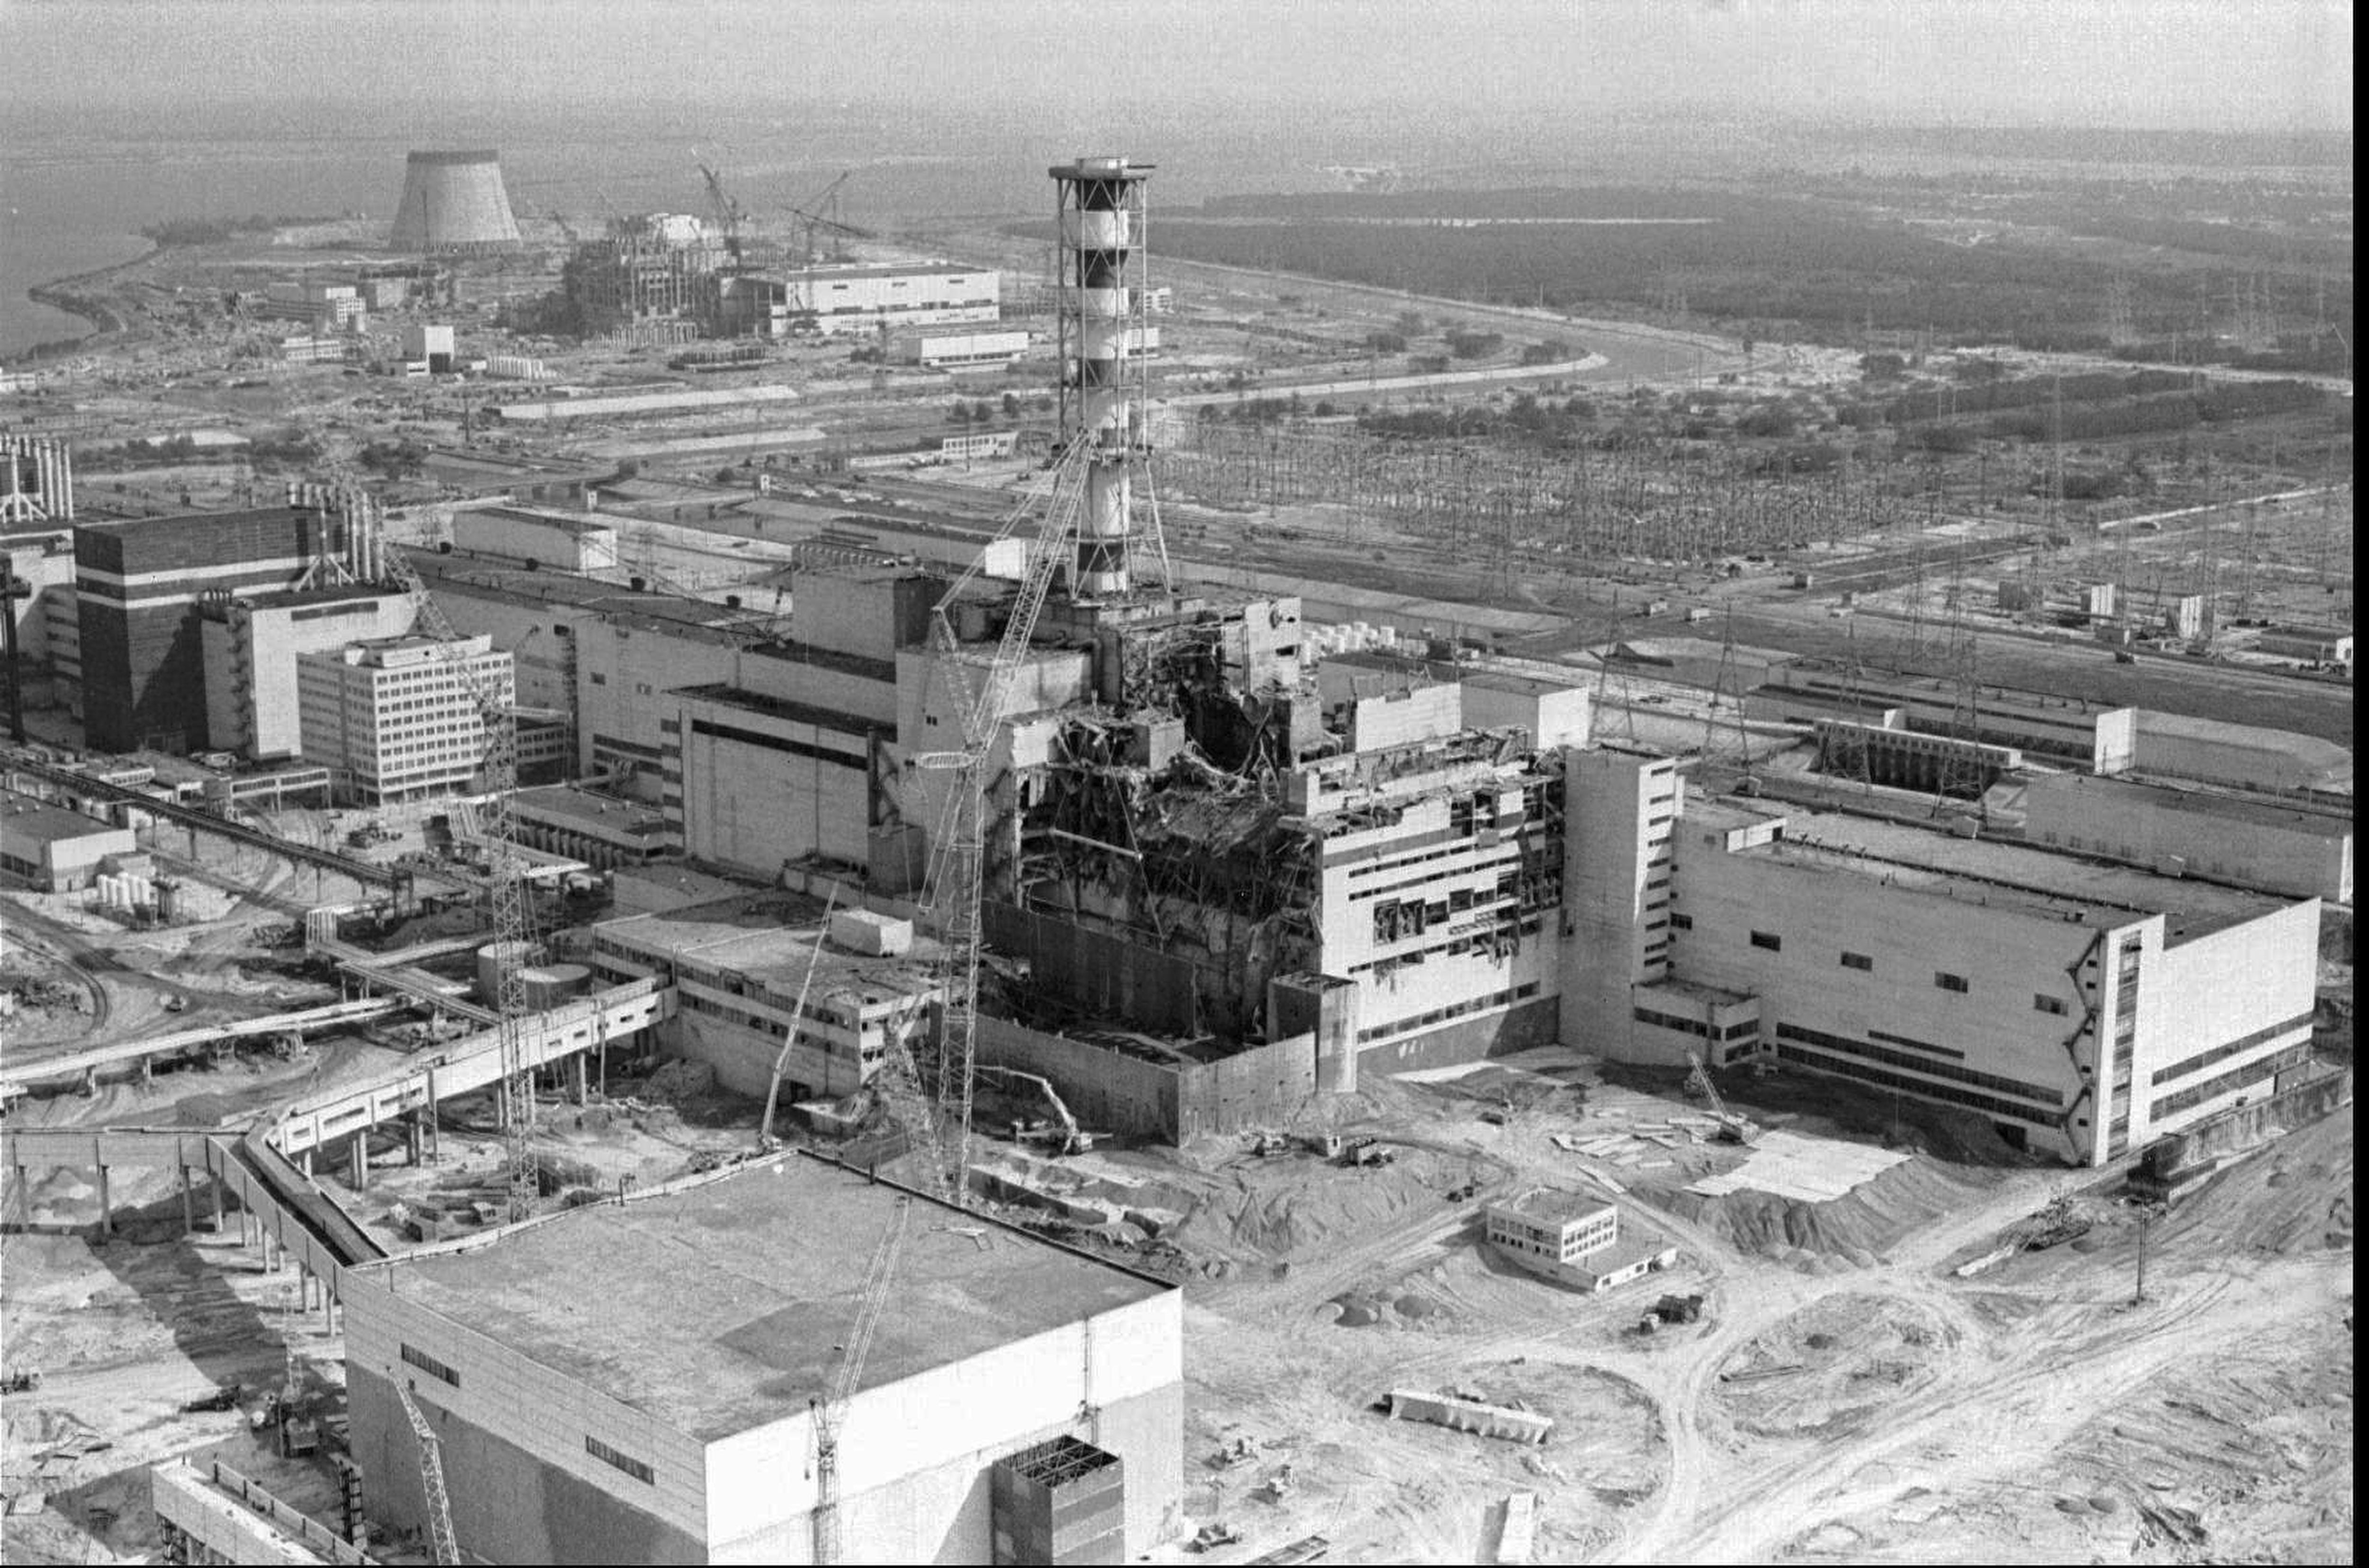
1217, 875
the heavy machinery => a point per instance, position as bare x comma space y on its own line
1068, 1139
820, 213
765, 1141
728, 214
940, 1113
830, 1409
1729, 1128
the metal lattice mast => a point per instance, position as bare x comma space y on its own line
513, 914
830, 1410
431, 1474
513, 919
957, 885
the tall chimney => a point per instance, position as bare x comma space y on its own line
1099, 309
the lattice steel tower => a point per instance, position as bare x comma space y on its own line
1101, 307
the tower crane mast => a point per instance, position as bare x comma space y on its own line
940, 1114
830, 1410
513, 915
431, 1474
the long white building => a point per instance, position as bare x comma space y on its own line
2083, 1010
634, 1381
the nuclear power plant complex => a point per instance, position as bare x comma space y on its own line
720, 886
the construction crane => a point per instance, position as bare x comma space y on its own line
829, 1410
957, 849
797, 1019
1732, 1127
513, 916
727, 213
566, 227
431, 1472
821, 212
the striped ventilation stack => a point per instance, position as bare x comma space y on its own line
1100, 312
454, 201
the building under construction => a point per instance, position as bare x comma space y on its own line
658, 267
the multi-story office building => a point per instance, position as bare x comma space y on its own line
398, 719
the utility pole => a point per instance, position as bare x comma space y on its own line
2146, 1228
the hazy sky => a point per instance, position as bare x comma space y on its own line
2185, 64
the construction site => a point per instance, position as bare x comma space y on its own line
1224, 981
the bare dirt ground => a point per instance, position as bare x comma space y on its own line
125, 1333
1847, 1396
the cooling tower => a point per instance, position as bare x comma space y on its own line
454, 201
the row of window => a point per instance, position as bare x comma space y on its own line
429, 1365
1685, 1025
1824, 1041
1442, 1015
631, 1466
1865, 964
2203, 1059
2261, 1071
1988, 1105
1916, 1045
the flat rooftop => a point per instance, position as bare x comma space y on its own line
792, 712
26, 821
1991, 874
2316, 816
1551, 1205
283, 599
605, 812
772, 938
584, 524
721, 1308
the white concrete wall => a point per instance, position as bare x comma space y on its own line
1554, 717
524, 1403
2245, 980
2239, 754
840, 691
2008, 955
621, 675
50, 576
547, 542
1401, 718
913, 1455
538, 638
274, 637
2307, 856
1622, 811
754, 808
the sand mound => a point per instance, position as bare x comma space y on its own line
1855, 1228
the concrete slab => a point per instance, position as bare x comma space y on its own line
720, 1308
1811, 1170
